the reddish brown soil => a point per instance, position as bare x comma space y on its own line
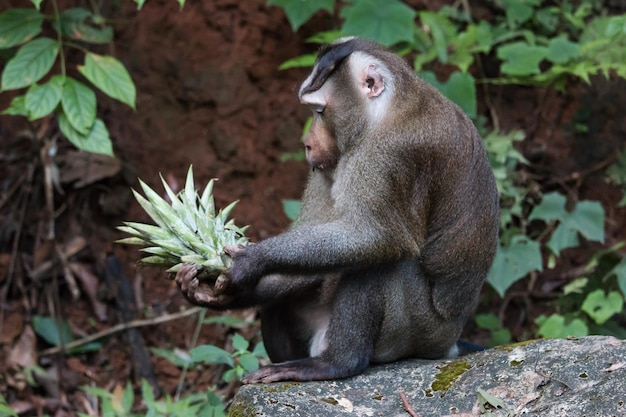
210, 94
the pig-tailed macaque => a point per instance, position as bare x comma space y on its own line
398, 228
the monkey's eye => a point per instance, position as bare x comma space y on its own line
318, 109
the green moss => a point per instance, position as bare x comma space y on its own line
378, 397
330, 400
516, 363
279, 387
241, 409
511, 346
449, 373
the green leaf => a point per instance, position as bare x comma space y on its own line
80, 24
561, 50
601, 307
619, 271
248, 362
259, 350
488, 321
460, 88
127, 398
292, 209
18, 26
55, 332
388, 22
301, 61
229, 321
298, 12
110, 76
514, 262
521, 58
552, 207
31, 62
211, 354
41, 100
176, 357
139, 3
37, 3
79, 105
96, 140
588, 219
555, 327
17, 107
239, 343
518, 11
442, 32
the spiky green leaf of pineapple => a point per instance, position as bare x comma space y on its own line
187, 230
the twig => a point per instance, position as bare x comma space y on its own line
407, 406
123, 326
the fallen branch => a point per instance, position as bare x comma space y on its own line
407, 406
120, 327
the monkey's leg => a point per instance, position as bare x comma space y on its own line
355, 321
283, 333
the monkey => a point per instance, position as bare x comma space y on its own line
397, 231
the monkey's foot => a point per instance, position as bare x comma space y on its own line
308, 369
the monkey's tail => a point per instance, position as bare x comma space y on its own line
466, 347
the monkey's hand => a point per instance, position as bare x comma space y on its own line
245, 272
199, 292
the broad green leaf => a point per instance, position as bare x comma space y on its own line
521, 58
489, 401
17, 107
110, 76
176, 357
97, 139
298, 62
488, 321
388, 22
601, 306
514, 262
37, 3
80, 24
139, 3
555, 327
127, 398
18, 26
518, 11
442, 32
298, 12
460, 88
552, 207
588, 219
211, 354
248, 362
325, 37
79, 105
562, 50
620, 274
292, 209
259, 350
240, 343
55, 332
31, 62
41, 100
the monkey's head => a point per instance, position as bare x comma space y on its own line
349, 90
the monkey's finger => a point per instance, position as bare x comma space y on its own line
222, 283
233, 250
185, 274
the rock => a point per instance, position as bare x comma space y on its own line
558, 377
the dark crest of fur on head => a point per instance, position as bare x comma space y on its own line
329, 59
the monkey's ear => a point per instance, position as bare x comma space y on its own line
372, 82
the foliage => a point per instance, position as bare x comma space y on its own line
58, 333
70, 100
5, 410
490, 322
119, 403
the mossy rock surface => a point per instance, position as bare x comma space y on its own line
573, 377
